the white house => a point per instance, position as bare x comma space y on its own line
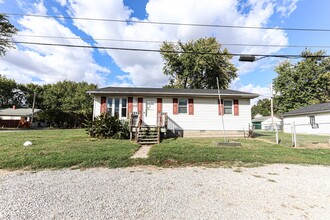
312, 119
265, 122
189, 112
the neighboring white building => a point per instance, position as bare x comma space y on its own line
265, 122
190, 112
312, 119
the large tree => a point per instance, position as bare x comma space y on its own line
8, 90
303, 83
7, 31
197, 64
263, 107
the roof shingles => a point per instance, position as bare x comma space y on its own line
169, 91
317, 108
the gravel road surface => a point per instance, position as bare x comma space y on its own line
269, 192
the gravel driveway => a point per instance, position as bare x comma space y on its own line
269, 192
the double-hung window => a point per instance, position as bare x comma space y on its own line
312, 120
228, 107
109, 106
117, 107
117, 100
123, 108
183, 106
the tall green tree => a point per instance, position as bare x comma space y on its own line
303, 83
7, 31
263, 107
197, 64
66, 103
8, 89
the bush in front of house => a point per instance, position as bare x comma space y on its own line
106, 126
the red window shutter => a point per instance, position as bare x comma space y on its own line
175, 106
103, 105
159, 109
191, 106
159, 105
140, 104
130, 105
221, 108
236, 108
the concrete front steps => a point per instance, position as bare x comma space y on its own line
148, 136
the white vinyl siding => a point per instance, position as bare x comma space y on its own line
206, 115
303, 125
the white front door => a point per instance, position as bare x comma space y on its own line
150, 112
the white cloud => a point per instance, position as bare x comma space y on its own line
144, 68
263, 91
46, 64
61, 2
2, 1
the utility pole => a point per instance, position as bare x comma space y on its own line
272, 105
33, 104
221, 113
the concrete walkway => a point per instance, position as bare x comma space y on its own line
142, 152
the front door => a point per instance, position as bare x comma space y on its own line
150, 113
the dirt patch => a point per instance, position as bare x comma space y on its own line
316, 146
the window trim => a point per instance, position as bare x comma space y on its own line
186, 106
231, 107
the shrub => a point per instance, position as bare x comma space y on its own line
106, 126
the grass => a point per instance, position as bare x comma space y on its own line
62, 148
286, 138
202, 151
73, 148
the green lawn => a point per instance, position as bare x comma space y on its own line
73, 148
285, 138
204, 151
62, 148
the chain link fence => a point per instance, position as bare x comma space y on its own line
296, 135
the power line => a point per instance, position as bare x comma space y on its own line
170, 23
179, 52
159, 42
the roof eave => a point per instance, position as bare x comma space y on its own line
305, 113
252, 95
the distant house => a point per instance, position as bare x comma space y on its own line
11, 117
260, 122
186, 112
311, 119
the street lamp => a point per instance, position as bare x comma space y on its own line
249, 58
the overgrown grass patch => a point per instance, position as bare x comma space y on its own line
62, 148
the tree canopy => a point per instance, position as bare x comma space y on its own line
7, 91
303, 83
197, 64
7, 30
63, 104
262, 107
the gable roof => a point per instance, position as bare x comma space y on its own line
317, 108
23, 112
170, 92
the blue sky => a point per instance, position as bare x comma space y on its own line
46, 64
